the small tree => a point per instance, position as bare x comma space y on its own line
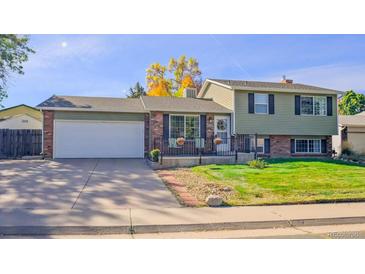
13, 53
136, 91
351, 103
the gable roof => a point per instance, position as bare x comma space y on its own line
352, 120
179, 104
269, 86
102, 104
7, 113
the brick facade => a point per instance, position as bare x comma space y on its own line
48, 119
280, 146
147, 144
156, 127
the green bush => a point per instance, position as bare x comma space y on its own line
155, 154
258, 163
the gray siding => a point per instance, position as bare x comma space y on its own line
220, 95
284, 121
100, 116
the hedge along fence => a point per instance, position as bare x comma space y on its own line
15, 143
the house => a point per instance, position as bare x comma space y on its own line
272, 119
351, 133
20, 117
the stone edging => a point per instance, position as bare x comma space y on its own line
178, 188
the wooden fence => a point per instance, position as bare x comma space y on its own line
15, 143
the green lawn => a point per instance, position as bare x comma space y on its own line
288, 181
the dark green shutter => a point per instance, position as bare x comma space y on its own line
329, 106
267, 146
203, 126
324, 146
247, 144
292, 145
271, 104
297, 104
166, 126
251, 103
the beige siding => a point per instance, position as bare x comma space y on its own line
104, 116
284, 121
220, 95
356, 139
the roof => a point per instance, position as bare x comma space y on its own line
179, 104
7, 113
102, 104
272, 86
352, 120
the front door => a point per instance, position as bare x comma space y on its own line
222, 130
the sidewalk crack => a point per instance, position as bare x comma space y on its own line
87, 181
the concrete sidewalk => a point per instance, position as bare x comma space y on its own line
115, 221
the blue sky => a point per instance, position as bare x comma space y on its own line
107, 65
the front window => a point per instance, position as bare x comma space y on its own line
260, 144
186, 126
308, 146
313, 105
261, 103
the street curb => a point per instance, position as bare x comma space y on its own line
141, 229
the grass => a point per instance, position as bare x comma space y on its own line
287, 181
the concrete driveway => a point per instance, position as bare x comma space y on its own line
93, 184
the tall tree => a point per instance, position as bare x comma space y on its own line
136, 91
14, 52
183, 73
351, 103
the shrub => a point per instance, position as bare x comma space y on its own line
155, 154
258, 163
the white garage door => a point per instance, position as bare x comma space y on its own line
98, 139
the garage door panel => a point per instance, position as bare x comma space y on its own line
95, 139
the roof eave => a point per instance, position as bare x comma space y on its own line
287, 90
89, 110
206, 83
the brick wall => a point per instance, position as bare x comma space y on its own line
48, 118
280, 146
156, 125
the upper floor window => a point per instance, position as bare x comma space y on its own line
261, 103
313, 105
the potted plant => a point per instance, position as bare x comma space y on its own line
217, 141
180, 141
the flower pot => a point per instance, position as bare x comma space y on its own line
218, 141
180, 141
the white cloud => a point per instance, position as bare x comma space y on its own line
337, 76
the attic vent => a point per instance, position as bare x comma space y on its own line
190, 92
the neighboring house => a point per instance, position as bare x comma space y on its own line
351, 133
272, 119
20, 117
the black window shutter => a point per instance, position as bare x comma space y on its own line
329, 105
203, 126
292, 145
166, 126
324, 146
251, 103
267, 146
297, 104
247, 144
271, 104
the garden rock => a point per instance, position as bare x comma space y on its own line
214, 200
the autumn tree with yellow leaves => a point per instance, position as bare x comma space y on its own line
185, 73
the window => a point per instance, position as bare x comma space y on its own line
184, 126
260, 144
313, 105
308, 146
261, 103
